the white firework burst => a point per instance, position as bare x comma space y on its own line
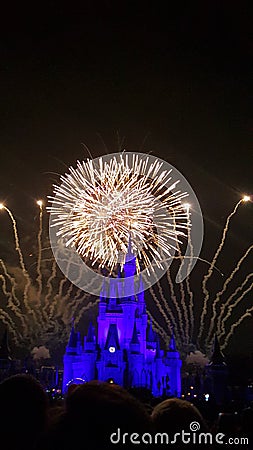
100, 206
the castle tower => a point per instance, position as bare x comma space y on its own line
217, 374
174, 363
123, 348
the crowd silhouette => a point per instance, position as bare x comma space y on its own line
99, 415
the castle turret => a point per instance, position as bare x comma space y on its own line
217, 373
174, 363
135, 343
90, 339
73, 349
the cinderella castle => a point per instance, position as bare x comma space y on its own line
125, 349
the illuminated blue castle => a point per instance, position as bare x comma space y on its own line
125, 349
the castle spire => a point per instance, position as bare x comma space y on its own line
135, 339
158, 348
112, 339
217, 357
151, 333
73, 335
90, 334
130, 260
172, 344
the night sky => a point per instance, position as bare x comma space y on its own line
174, 81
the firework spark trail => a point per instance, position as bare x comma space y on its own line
39, 274
220, 324
231, 307
57, 297
158, 328
85, 308
10, 304
185, 312
187, 280
210, 270
61, 305
12, 283
22, 264
7, 320
219, 295
72, 303
49, 287
65, 304
79, 301
169, 311
175, 302
181, 285
12, 295
154, 296
75, 301
248, 313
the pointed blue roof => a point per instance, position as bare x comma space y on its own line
112, 339
158, 349
151, 334
135, 339
217, 357
172, 344
130, 261
91, 333
73, 336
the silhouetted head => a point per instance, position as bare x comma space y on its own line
95, 410
174, 415
23, 410
107, 404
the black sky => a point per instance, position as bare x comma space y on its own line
175, 80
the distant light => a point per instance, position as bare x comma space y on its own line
40, 203
1, 206
191, 387
206, 397
111, 349
246, 198
195, 395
